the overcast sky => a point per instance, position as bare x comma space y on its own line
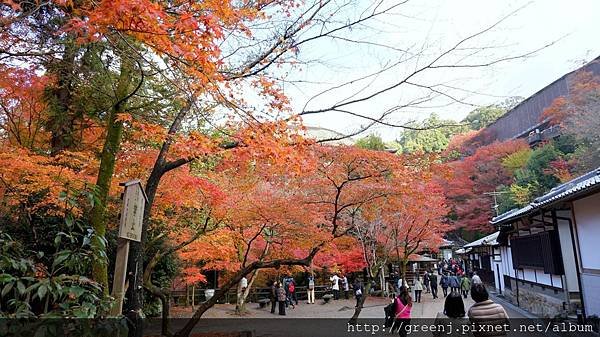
419, 31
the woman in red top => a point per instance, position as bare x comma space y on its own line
403, 306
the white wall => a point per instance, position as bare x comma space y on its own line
587, 217
498, 279
591, 290
566, 244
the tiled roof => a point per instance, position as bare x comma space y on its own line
560, 193
489, 240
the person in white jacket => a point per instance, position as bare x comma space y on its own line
335, 280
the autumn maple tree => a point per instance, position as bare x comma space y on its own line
473, 177
409, 218
186, 96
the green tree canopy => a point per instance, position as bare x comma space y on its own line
434, 137
371, 142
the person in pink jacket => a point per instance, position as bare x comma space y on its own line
403, 306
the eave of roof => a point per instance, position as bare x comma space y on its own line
489, 240
570, 190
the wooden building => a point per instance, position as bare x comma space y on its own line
550, 262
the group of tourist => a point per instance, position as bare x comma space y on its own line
283, 293
484, 311
455, 282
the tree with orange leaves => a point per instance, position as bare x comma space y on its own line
577, 115
410, 217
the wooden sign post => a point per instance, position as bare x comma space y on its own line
130, 228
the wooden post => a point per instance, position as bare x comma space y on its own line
118, 290
193, 295
130, 228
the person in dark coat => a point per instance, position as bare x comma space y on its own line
453, 283
358, 291
444, 283
390, 313
433, 283
426, 281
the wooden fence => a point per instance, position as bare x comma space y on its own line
183, 297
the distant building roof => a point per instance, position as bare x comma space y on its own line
570, 190
463, 250
490, 240
420, 258
452, 239
329, 137
526, 116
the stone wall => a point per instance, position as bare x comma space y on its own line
539, 300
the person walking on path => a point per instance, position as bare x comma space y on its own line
358, 291
444, 283
403, 307
453, 282
418, 286
476, 279
292, 294
465, 285
286, 286
273, 296
335, 286
485, 313
426, 281
281, 298
311, 289
453, 316
346, 287
433, 281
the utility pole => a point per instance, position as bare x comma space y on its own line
495, 194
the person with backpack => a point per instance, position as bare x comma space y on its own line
292, 294
311, 289
335, 286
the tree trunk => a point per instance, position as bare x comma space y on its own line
403, 264
187, 295
358, 309
61, 117
193, 296
164, 297
242, 295
135, 267
112, 144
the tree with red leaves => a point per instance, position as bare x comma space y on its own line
474, 176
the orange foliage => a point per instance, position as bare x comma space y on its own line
476, 175
22, 108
